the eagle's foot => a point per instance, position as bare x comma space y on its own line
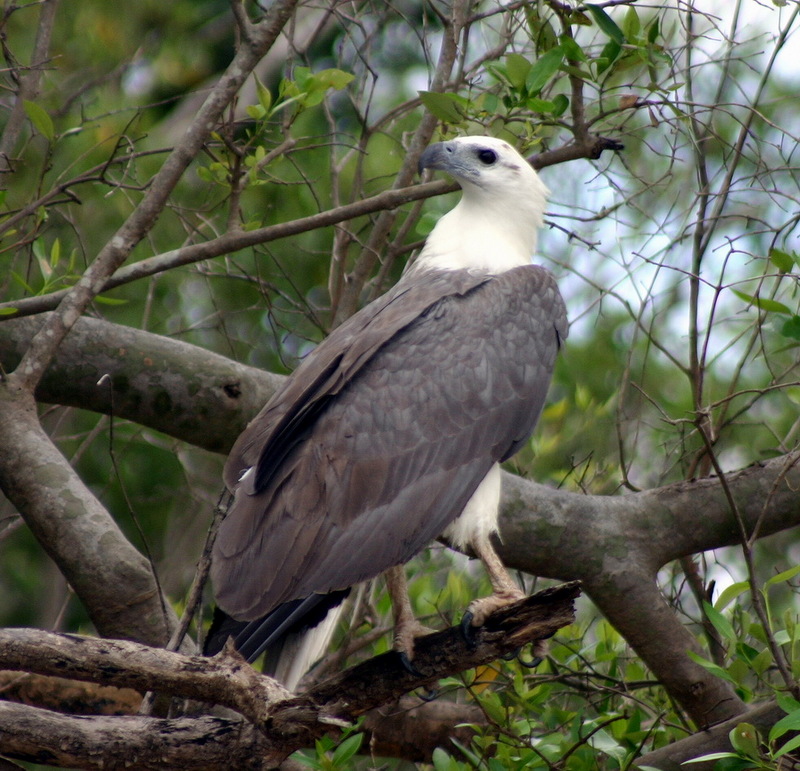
404, 636
480, 610
408, 664
539, 651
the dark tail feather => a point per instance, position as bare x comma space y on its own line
252, 638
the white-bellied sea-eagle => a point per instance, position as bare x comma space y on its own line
390, 432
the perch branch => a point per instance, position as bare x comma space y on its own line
284, 723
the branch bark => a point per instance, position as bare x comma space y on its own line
279, 724
714, 739
615, 545
114, 581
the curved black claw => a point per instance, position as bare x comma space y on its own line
512, 654
408, 665
430, 694
532, 664
468, 631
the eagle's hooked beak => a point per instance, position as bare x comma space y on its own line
436, 156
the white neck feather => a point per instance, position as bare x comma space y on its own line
486, 231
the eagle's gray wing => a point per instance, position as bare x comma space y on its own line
383, 434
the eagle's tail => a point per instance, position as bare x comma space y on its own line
294, 635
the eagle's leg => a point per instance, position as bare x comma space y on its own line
504, 589
406, 625
504, 592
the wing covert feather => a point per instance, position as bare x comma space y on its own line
383, 434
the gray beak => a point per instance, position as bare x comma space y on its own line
436, 156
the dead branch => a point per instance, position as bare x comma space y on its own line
278, 723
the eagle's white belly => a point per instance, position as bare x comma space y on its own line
479, 518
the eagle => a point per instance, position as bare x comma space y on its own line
391, 432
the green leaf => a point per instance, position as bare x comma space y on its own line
763, 303
560, 104
606, 23
347, 749
55, 253
264, 95
787, 703
790, 722
653, 31
711, 667
710, 756
8, 311
40, 119
783, 261
110, 300
631, 26
744, 739
784, 575
571, 49
544, 68
442, 761
540, 105
720, 623
517, 68
730, 593
332, 78
610, 52
307, 761
543, 35
446, 107
792, 744
791, 328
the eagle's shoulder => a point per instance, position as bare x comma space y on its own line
338, 358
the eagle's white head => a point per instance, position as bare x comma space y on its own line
495, 223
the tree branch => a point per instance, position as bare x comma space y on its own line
45, 344
237, 240
545, 532
713, 739
114, 581
284, 723
28, 85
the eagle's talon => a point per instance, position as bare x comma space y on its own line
431, 694
511, 655
408, 665
468, 630
532, 664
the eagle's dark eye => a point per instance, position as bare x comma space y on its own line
487, 157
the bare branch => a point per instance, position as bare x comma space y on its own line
114, 581
284, 723
28, 86
44, 346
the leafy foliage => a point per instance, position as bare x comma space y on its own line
679, 260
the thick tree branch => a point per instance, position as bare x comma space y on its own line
114, 581
174, 387
614, 544
284, 724
410, 728
714, 739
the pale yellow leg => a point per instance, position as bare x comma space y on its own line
406, 626
504, 589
